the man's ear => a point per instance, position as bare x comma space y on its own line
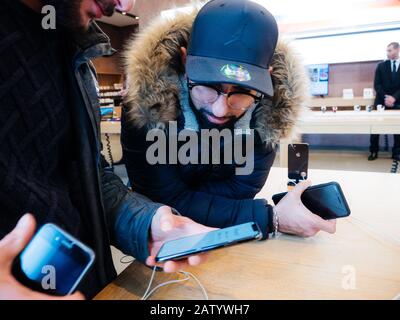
183, 55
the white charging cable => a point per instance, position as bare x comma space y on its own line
203, 290
188, 275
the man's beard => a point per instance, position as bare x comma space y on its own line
206, 124
69, 16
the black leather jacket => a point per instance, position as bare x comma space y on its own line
119, 216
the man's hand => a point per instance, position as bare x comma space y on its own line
295, 218
165, 227
389, 101
10, 246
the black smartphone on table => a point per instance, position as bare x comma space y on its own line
298, 154
325, 200
186, 246
54, 261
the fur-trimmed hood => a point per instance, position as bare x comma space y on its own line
155, 90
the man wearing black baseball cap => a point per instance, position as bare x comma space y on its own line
240, 50
239, 54
221, 68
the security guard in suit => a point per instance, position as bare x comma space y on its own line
387, 87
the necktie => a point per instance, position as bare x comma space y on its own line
394, 70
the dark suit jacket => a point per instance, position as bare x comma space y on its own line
384, 84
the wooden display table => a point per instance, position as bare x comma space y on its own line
360, 261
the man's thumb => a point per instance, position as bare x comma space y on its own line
16, 240
167, 220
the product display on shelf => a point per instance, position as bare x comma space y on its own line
110, 102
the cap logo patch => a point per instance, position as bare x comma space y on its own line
236, 72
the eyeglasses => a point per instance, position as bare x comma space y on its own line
236, 100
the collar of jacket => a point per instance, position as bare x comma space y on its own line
155, 88
92, 44
87, 46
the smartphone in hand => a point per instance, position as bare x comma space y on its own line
54, 261
186, 246
325, 200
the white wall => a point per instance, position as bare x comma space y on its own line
346, 48
345, 16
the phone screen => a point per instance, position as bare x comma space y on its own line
55, 260
183, 247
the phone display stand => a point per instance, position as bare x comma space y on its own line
292, 182
298, 157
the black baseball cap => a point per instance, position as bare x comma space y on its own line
233, 41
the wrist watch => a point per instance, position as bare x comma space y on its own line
275, 220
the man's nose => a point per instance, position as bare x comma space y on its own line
220, 107
125, 5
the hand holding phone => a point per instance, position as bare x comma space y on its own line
54, 261
10, 246
195, 244
295, 218
325, 200
167, 226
